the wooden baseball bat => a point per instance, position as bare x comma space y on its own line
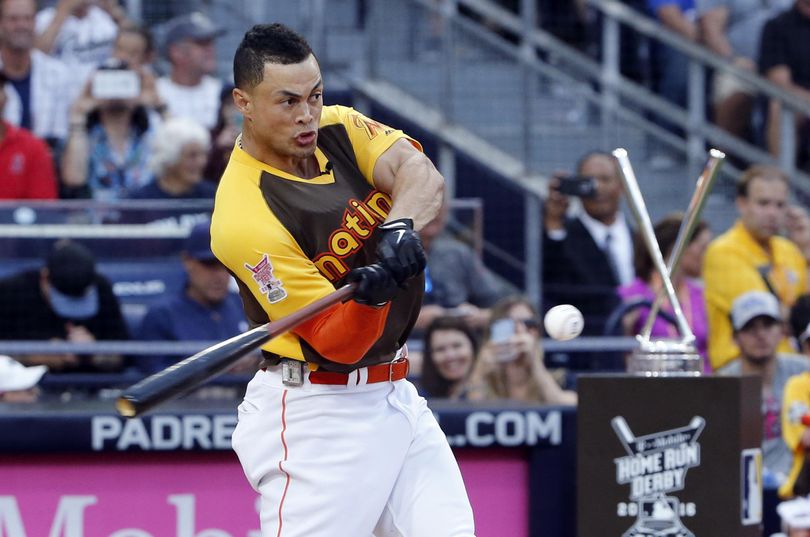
188, 374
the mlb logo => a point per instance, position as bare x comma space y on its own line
751, 486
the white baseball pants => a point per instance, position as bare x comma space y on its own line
349, 461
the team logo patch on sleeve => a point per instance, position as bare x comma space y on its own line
268, 284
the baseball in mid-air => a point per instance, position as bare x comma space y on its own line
563, 322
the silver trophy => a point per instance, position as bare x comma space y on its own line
665, 357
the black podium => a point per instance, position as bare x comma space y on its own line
669, 456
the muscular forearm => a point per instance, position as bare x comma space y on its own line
417, 192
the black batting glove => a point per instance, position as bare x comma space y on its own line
375, 285
400, 249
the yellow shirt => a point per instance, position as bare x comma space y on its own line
796, 403
732, 267
290, 241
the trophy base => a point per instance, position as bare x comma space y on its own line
665, 358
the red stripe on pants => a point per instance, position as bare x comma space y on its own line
283, 443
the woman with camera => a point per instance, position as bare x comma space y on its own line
510, 364
108, 144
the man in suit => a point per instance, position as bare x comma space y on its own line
587, 257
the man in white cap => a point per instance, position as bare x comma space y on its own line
756, 319
17, 382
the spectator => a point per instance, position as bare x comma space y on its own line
79, 32
756, 318
586, 258
135, 46
18, 384
26, 168
108, 149
40, 88
179, 153
223, 135
66, 300
510, 366
204, 310
732, 29
692, 258
450, 351
456, 281
800, 323
189, 90
751, 256
783, 53
648, 284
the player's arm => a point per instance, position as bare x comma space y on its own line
415, 185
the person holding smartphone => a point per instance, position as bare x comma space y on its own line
107, 151
510, 364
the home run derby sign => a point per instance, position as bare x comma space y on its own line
668, 456
655, 466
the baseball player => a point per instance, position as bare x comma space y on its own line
330, 433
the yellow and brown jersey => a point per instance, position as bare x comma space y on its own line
290, 241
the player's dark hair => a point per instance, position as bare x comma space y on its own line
266, 43
433, 384
759, 171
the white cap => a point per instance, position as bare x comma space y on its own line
754, 304
14, 376
795, 513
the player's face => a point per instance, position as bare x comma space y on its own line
605, 205
284, 111
764, 210
452, 353
759, 339
17, 24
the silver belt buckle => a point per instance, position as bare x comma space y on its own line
292, 372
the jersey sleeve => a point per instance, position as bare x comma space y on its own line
369, 138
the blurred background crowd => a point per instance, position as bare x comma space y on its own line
118, 122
